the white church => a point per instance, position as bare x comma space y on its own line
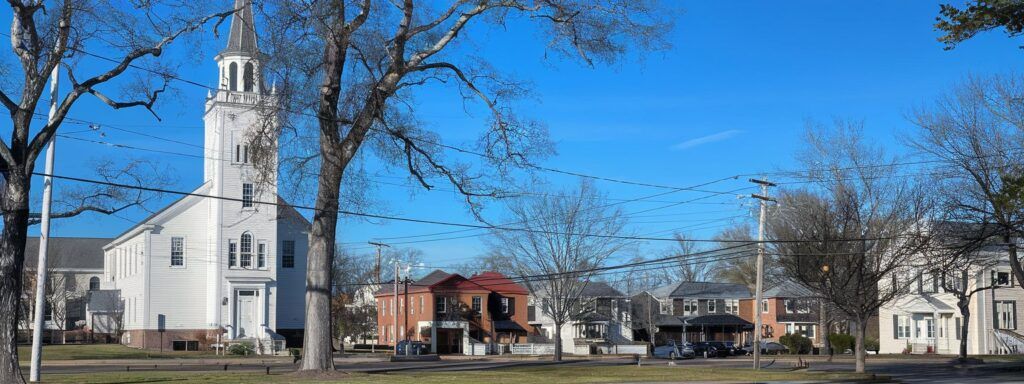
206, 270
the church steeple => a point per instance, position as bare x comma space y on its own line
242, 37
239, 63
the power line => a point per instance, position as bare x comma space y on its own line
439, 222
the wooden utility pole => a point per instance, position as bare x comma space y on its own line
759, 294
376, 267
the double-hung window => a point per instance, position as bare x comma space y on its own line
1006, 314
903, 327
764, 306
477, 304
1001, 279
232, 253
506, 307
246, 251
261, 254
689, 307
247, 194
288, 254
177, 251
711, 306
441, 304
732, 306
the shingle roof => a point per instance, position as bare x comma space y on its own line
788, 289
720, 319
600, 289
703, 290
423, 283
68, 252
242, 37
497, 282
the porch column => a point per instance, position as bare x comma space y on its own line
433, 338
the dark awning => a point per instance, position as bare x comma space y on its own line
508, 325
718, 320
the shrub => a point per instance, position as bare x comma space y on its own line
841, 342
871, 344
797, 344
244, 349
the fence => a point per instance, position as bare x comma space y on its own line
533, 349
623, 349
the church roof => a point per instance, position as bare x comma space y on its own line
242, 36
68, 252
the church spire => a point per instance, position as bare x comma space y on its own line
242, 37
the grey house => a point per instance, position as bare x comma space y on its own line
691, 311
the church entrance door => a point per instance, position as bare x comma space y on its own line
245, 314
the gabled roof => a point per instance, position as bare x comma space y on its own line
600, 289
202, 189
788, 288
497, 282
242, 36
67, 252
431, 281
702, 290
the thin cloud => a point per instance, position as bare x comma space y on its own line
724, 135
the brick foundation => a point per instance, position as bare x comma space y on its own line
151, 338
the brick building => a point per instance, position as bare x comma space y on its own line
452, 313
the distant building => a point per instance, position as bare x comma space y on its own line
603, 323
691, 311
787, 308
454, 314
74, 272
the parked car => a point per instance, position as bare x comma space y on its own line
674, 350
767, 348
712, 349
413, 347
733, 349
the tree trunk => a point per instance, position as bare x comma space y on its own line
558, 342
317, 354
1011, 248
14, 203
861, 333
824, 331
965, 311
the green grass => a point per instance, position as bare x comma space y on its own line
547, 375
105, 352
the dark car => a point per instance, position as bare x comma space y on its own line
406, 347
710, 349
734, 350
768, 348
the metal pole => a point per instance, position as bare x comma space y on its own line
759, 294
394, 311
44, 237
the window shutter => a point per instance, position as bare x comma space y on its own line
993, 279
895, 326
935, 284
511, 306
1013, 312
920, 284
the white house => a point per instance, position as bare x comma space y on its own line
927, 320
604, 324
228, 261
74, 273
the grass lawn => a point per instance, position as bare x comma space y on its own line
104, 351
534, 375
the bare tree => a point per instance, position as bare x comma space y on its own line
686, 267
49, 37
975, 135
368, 57
571, 233
848, 237
957, 252
741, 269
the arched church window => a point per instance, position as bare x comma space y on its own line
246, 250
248, 78
233, 76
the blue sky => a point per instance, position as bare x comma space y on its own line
731, 97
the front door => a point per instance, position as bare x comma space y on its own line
245, 314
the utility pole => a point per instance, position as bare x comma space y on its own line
394, 311
405, 311
376, 268
44, 237
759, 294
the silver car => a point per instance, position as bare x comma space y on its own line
674, 350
